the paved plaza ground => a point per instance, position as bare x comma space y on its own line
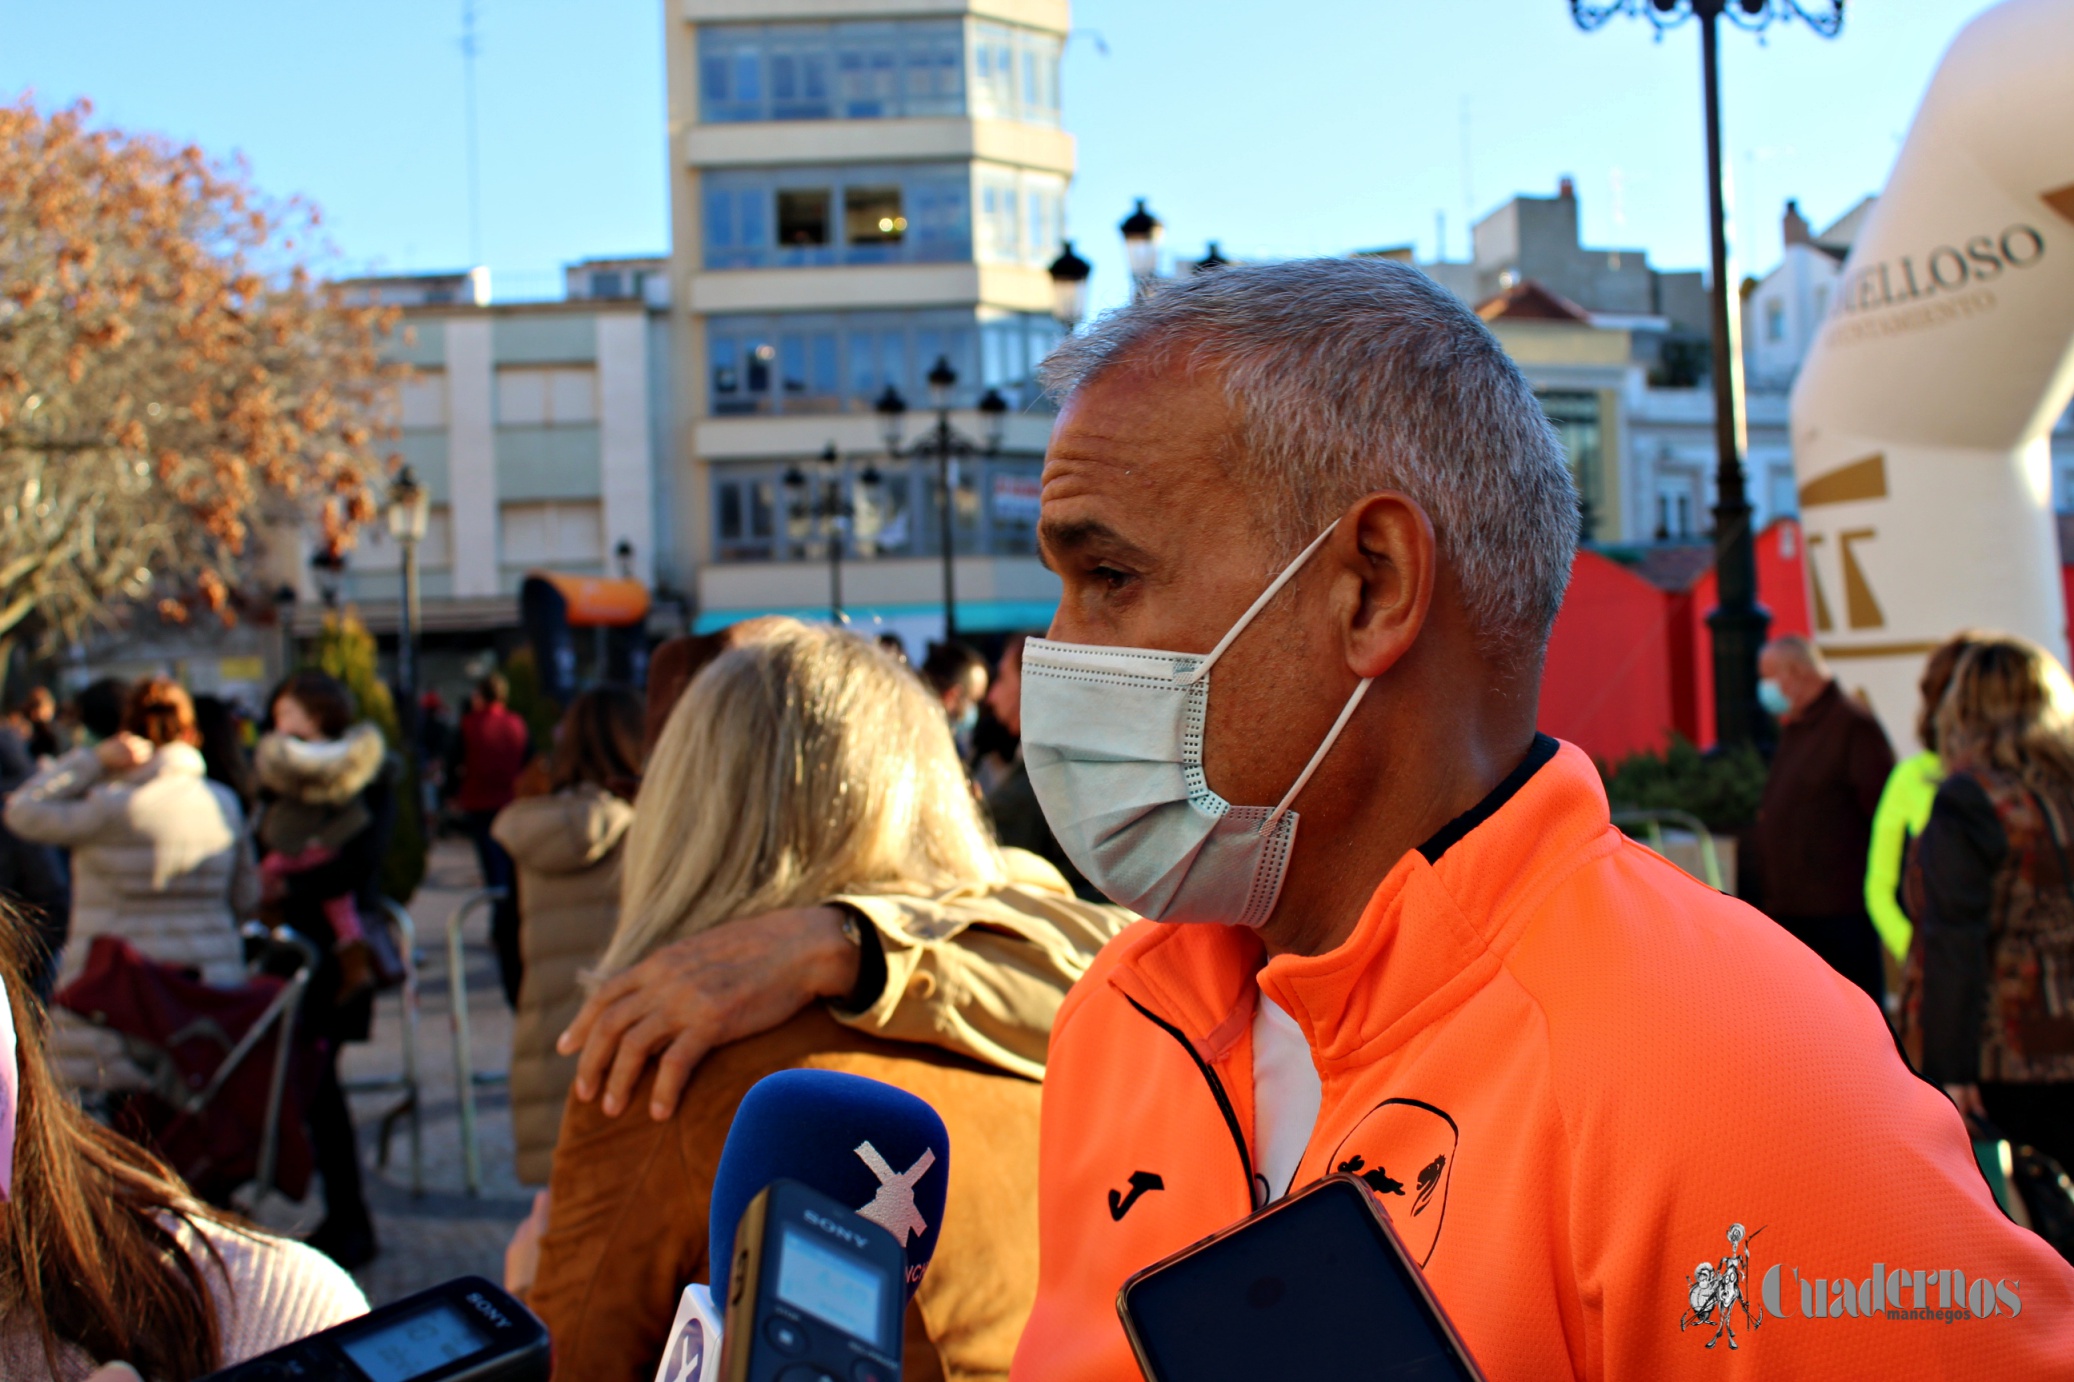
442, 1232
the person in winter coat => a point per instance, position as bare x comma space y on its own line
866, 805
567, 849
159, 858
494, 749
327, 808
1994, 955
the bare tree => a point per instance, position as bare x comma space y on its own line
172, 375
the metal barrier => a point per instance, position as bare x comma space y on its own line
1652, 821
410, 1104
465, 1078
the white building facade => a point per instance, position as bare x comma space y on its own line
860, 189
536, 429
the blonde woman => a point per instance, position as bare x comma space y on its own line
1995, 952
802, 766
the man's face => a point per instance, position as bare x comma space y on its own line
1006, 697
1157, 547
1800, 682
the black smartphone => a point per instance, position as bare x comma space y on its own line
1316, 1286
463, 1331
816, 1293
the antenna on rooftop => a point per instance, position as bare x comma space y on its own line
471, 46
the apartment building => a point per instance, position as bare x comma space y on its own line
535, 427
861, 189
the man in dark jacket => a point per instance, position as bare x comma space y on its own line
1018, 820
1804, 859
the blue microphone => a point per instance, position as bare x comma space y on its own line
863, 1143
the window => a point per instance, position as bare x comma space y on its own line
422, 400
994, 509
532, 397
803, 217
871, 216
1014, 74
1576, 420
744, 513
1774, 320
869, 70
563, 532
917, 214
823, 362
1674, 511
608, 285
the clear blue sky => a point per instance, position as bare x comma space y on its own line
1275, 128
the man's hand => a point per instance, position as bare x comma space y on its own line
739, 979
121, 752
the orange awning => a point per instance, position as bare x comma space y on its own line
598, 600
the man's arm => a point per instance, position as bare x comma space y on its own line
981, 975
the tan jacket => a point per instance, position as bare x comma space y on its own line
975, 972
159, 858
568, 850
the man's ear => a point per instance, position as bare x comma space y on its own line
1386, 541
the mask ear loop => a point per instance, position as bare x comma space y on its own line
1203, 669
1346, 713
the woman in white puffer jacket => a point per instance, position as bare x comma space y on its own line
159, 857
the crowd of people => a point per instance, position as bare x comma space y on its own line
1376, 923
1949, 869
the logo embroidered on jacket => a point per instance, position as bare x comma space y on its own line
1141, 1181
892, 1208
1392, 1139
1715, 1289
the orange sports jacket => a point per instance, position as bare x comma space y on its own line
1567, 1069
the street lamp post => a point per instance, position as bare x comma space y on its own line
1738, 623
410, 510
1141, 231
944, 444
329, 568
821, 507
1069, 273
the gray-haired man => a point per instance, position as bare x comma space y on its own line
1313, 530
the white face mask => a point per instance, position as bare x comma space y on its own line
1113, 740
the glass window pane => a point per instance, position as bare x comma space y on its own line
803, 217
823, 377
752, 220
730, 510
720, 220
872, 216
762, 356
792, 362
864, 374
748, 84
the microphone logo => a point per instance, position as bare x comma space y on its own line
892, 1208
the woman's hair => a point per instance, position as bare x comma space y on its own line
216, 730
1937, 678
598, 742
324, 696
2010, 708
88, 1255
797, 766
159, 710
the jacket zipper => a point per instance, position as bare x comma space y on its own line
1254, 1188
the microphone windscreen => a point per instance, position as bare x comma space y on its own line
863, 1143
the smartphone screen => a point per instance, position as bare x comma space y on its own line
1311, 1287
